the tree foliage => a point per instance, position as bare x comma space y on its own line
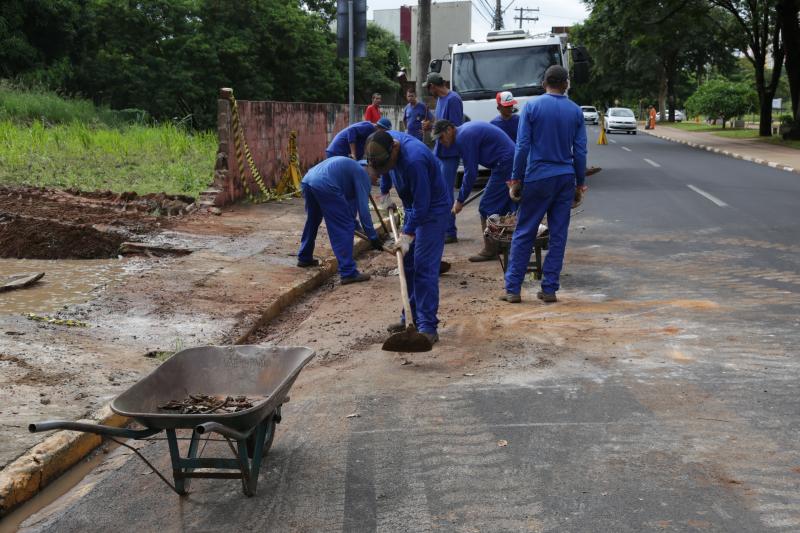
170, 57
720, 98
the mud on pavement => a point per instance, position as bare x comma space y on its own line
119, 317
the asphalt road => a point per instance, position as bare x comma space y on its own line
659, 394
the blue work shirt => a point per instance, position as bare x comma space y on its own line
342, 175
551, 140
480, 143
509, 126
355, 133
451, 108
417, 178
413, 117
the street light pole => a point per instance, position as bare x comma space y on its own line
350, 65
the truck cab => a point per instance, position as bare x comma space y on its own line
509, 60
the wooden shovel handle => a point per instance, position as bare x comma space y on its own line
401, 271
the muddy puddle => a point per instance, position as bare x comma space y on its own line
66, 282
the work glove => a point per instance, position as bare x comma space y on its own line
404, 243
377, 244
515, 190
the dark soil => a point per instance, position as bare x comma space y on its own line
39, 223
29, 238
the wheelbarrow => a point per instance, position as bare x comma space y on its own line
499, 230
262, 372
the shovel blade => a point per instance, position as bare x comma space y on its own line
409, 340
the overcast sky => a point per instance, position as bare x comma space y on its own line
551, 13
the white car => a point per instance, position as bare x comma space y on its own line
619, 119
679, 116
590, 115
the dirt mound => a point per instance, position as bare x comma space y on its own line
30, 238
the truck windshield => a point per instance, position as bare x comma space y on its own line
479, 75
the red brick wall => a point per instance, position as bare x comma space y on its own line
266, 128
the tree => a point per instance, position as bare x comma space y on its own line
761, 34
790, 28
377, 72
720, 98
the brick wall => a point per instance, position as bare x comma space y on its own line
266, 128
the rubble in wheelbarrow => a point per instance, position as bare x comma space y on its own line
202, 404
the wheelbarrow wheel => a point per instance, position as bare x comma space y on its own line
274, 418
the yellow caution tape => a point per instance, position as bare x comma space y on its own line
290, 178
56, 321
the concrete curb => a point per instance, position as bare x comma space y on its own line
27, 475
23, 478
756, 160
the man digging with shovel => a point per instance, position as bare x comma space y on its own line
418, 181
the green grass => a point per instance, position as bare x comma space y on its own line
50, 141
734, 133
137, 158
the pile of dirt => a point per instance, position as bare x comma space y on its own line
30, 238
41, 223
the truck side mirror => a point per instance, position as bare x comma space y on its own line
435, 65
580, 64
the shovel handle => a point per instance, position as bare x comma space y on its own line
377, 212
401, 271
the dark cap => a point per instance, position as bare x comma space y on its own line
378, 148
555, 76
441, 126
434, 78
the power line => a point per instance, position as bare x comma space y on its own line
483, 16
522, 17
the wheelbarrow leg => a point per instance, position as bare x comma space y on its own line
244, 467
175, 456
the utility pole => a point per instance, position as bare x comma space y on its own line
423, 43
351, 100
522, 17
498, 15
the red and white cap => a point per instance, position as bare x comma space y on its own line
505, 99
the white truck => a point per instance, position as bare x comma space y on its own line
509, 60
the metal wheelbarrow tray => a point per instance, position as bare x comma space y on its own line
267, 372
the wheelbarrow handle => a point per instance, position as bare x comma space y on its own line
97, 429
223, 430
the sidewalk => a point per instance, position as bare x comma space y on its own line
752, 150
241, 273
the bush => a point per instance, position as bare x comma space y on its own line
721, 98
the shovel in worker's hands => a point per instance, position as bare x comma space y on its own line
409, 340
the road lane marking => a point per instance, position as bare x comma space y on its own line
626, 149
652, 162
612, 141
704, 194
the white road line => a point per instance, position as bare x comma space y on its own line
708, 196
626, 149
652, 162
612, 141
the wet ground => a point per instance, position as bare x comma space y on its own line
129, 313
658, 394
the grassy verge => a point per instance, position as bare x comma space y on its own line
136, 158
50, 141
734, 133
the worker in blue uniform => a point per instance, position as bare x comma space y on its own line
450, 107
417, 179
331, 190
480, 143
350, 141
507, 120
549, 174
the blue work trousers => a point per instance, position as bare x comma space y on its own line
552, 196
421, 264
449, 166
337, 212
495, 199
